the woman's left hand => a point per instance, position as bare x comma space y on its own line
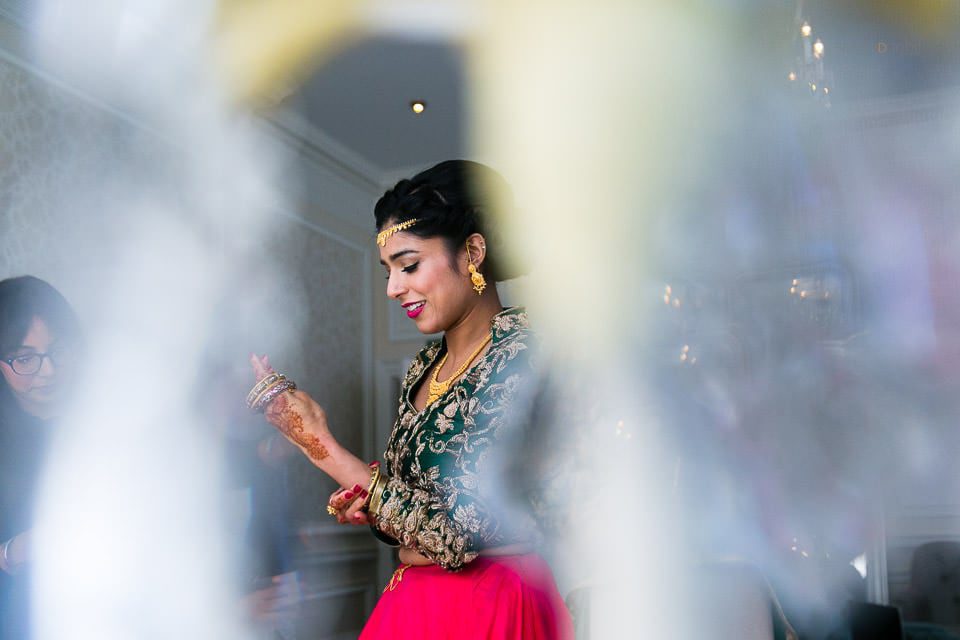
349, 504
297, 416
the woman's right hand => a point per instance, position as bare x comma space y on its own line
349, 505
297, 416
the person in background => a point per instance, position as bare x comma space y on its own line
40, 342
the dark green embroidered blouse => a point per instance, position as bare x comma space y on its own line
439, 461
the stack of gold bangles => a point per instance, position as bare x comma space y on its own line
378, 482
264, 392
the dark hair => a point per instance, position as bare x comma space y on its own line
26, 297
452, 200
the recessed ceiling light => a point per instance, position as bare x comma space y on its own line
418, 106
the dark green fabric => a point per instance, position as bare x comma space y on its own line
439, 498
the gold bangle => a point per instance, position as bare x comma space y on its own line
260, 396
374, 477
261, 386
376, 495
271, 392
265, 390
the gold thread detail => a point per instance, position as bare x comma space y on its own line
396, 578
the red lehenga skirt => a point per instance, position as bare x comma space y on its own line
492, 598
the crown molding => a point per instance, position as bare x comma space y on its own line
324, 150
284, 124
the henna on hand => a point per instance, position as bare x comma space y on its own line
290, 423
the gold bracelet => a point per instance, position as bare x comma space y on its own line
268, 381
271, 393
376, 495
258, 403
265, 391
374, 477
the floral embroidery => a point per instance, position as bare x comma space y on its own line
434, 458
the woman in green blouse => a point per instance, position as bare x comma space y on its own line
466, 569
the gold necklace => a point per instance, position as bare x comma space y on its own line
437, 388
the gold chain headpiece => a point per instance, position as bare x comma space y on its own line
384, 235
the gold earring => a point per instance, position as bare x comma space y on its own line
479, 282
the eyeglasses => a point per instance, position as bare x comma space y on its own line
28, 364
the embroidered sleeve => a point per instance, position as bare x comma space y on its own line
446, 512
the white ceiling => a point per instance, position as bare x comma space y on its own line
361, 99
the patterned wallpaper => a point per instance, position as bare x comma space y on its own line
54, 224
303, 297
321, 298
312, 293
32, 130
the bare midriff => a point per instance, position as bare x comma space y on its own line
412, 557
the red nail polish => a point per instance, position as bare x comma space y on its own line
356, 516
348, 495
364, 494
356, 488
374, 464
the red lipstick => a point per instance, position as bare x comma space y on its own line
415, 309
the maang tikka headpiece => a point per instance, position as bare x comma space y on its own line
384, 235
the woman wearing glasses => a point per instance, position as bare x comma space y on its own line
39, 334
444, 491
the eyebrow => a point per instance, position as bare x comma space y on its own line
25, 348
399, 254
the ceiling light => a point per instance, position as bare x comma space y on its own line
418, 106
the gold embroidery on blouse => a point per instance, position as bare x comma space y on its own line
433, 500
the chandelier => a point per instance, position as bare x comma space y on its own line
808, 71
